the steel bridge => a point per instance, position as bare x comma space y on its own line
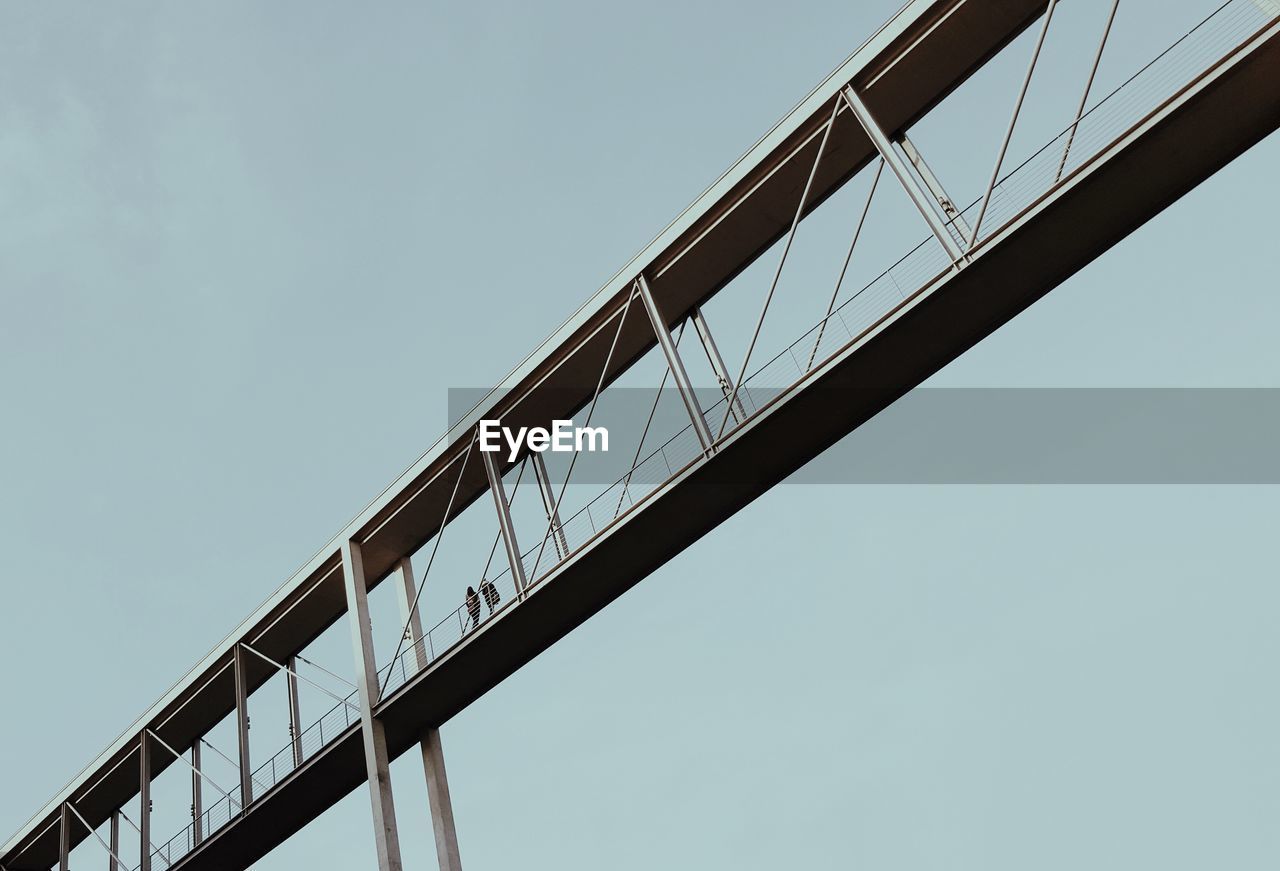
1120, 158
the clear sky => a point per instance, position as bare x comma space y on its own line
246, 248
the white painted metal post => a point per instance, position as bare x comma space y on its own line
377, 763
442, 825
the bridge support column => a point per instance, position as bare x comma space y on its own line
919, 198
674, 363
242, 727
718, 366
549, 504
113, 837
295, 710
505, 526
197, 796
441, 805
64, 839
144, 800
378, 765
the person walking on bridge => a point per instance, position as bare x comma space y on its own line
490, 593
473, 607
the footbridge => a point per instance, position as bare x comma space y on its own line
1121, 155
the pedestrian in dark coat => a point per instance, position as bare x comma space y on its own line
473, 607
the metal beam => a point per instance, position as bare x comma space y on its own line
675, 364
114, 838
549, 504
377, 763
442, 825
723, 376
505, 526
197, 797
919, 198
295, 710
64, 839
144, 801
242, 726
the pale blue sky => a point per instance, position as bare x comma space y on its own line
245, 249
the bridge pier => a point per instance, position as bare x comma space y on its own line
377, 763
441, 806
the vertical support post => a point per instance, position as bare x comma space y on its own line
1013, 121
197, 796
909, 184
64, 839
377, 763
549, 504
144, 800
505, 526
931, 181
242, 726
295, 710
113, 836
723, 376
674, 363
441, 805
